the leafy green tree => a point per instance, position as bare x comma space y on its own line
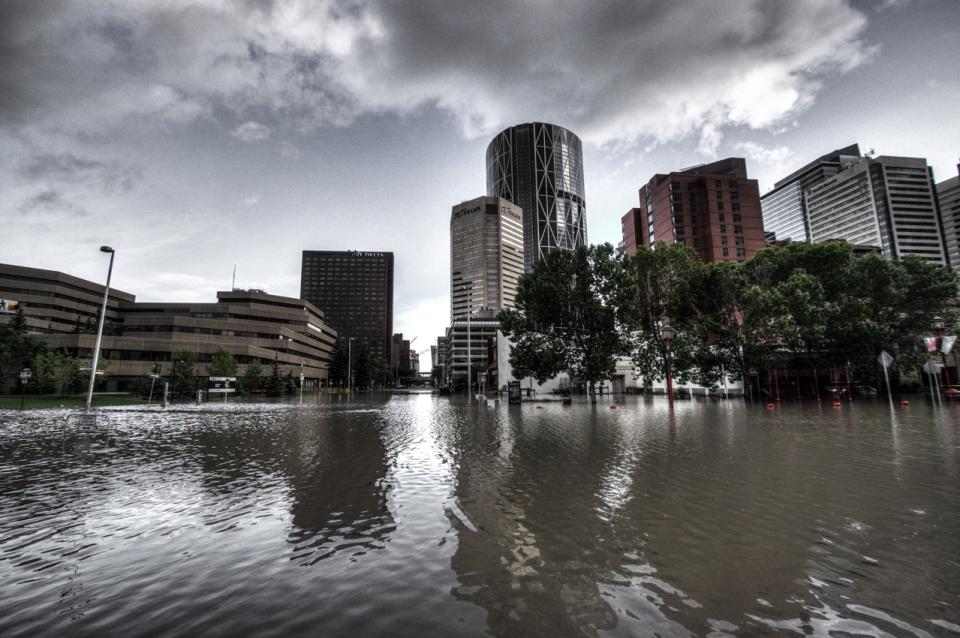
361, 372
54, 371
566, 317
184, 372
274, 384
380, 373
251, 380
289, 385
815, 305
222, 364
17, 350
890, 305
337, 373
662, 288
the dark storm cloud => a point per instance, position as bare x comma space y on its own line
66, 168
616, 70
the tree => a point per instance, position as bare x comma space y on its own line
251, 380
222, 364
361, 371
289, 386
54, 371
817, 305
337, 373
662, 287
184, 372
566, 317
17, 349
890, 305
380, 373
274, 387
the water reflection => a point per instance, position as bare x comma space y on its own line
339, 489
425, 516
715, 520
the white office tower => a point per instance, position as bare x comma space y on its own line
486, 262
888, 202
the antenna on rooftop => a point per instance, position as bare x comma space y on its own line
871, 153
233, 285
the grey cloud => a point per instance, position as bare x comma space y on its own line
65, 168
621, 70
52, 201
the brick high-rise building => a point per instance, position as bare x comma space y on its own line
631, 231
355, 291
713, 208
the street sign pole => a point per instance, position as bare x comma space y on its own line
936, 379
24, 377
885, 359
886, 378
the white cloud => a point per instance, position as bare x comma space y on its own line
250, 201
776, 157
252, 132
656, 71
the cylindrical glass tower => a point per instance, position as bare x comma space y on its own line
539, 167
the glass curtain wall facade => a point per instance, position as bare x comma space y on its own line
784, 208
948, 192
539, 167
784, 214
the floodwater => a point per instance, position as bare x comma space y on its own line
422, 516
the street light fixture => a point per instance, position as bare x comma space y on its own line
667, 333
103, 314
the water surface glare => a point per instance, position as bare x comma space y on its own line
422, 516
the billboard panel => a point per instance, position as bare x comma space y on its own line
225, 385
8, 306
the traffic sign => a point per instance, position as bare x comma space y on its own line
25, 375
885, 359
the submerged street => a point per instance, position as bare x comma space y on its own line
420, 515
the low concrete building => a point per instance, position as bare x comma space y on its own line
249, 324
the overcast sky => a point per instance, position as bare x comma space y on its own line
195, 135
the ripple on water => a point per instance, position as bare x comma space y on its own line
423, 516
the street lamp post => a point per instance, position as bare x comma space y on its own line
469, 291
667, 332
350, 365
103, 314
